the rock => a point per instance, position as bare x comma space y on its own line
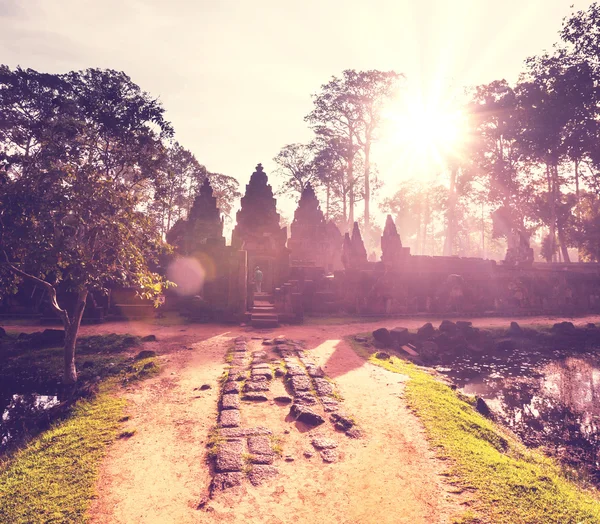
229, 456
255, 397
341, 421
429, 350
229, 418
262, 372
308, 454
260, 445
400, 336
262, 459
280, 340
382, 335
323, 387
294, 370
448, 327
483, 408
324, 443
329, 455
426, 331
514, 330
129, 341
589, 325
260, 473
289, 458
300, 383
305, 398
306, 415
279, 372
314, 371
230, 401
254, 386
463, 325
330, 404
204, 387
267, 342
2, 332
223, 481
382, 355
149, 338
362, 340
354, 432
564, 328
231, 387
145, 354
244, 432
443, 341
283, 400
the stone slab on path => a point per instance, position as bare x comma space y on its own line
255, 386
230, 401
229, 418
223, 481
231, 387
260, 473
323, 387
260, 445
229, 457
300, 383
244, 432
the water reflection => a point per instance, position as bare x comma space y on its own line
23, 415
548, 399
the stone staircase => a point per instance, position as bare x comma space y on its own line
263, 314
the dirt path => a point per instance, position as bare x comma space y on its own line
161, 473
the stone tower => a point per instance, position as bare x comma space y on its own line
257, 232
354, 254
203, 228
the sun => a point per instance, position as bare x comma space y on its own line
426, 134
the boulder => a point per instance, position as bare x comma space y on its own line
382, 355
382, 335
483, 408
514, 330
341, 421
564, 328
448, 326
149, 338
306, 415
463, 325
426, 331
400, 336
429, 350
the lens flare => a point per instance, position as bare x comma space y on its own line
188, 274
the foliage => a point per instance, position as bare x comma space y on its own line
512, 483
52, 478
80, 151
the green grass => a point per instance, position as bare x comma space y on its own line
51, 478
512, 484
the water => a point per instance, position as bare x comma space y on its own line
549, 398
23, 415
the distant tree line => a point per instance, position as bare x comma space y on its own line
529, 161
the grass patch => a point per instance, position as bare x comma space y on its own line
51, 477
214, 442
513, 484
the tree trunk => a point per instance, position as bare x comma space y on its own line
327, 205
367, 187
449, 242
563, 246
351, 194
71, 331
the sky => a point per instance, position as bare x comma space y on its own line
236, 76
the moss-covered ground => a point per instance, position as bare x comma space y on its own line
511, 484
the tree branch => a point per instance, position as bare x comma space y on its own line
46, 285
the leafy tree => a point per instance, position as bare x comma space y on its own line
347, 113
79, 151
296, 167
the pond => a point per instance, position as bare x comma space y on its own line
549, 398
24, 414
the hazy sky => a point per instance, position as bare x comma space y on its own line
236, 76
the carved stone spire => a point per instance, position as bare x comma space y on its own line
358, 246
258, 213
392, 251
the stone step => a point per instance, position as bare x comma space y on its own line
265, 323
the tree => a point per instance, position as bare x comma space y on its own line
296, 167
348, 111
79, 151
